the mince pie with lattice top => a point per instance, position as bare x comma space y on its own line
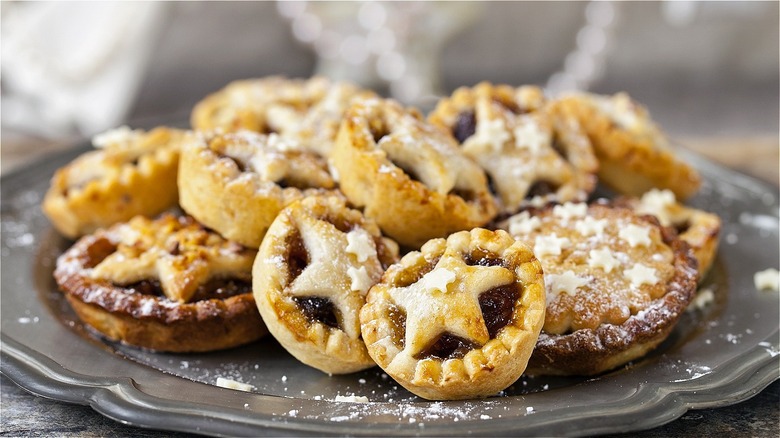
458, 319
617, 283
236, 183
634, 155
408, 175
311, 276
532, 154
133, 173
166, 284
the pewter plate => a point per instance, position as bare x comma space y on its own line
718, 355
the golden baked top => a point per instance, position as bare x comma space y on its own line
634, 154
602, 264
446, 320
264, 159
409, 145
311, 276
305, 112
176, 251
533, 155
114, 183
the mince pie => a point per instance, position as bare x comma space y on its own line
236, 183
634, 155
409, 175
698, 228
311, 276
617, 283
458, 319
304, 112
532, 153
166, 284
133, 173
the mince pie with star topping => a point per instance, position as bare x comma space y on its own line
458, 319
408, 175
236, 183
306, 112
311, 276
700, 229
133, 172
166, 284
634, 155
532, 154
617, 283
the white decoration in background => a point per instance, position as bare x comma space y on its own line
374, 43
71, 66
585, 64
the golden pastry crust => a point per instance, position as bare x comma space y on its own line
409, 176
310, 279
700, 229
616, 283
133, 174
307, 112
533, 154
166, 284
236, 183
634, 155
460, 318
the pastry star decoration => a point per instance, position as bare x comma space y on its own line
328, 272
446, 300
182, 259
491, 132
432, 161
523, 223
530, 135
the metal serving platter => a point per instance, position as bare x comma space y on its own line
718, 355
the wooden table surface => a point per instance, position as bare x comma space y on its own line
22, 414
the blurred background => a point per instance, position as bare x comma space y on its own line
707, 71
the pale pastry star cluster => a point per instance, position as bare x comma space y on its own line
568, 282
635, 235
530, 135
550, 245
590, 226
641, 274
570, 210
602, 258
523, 223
